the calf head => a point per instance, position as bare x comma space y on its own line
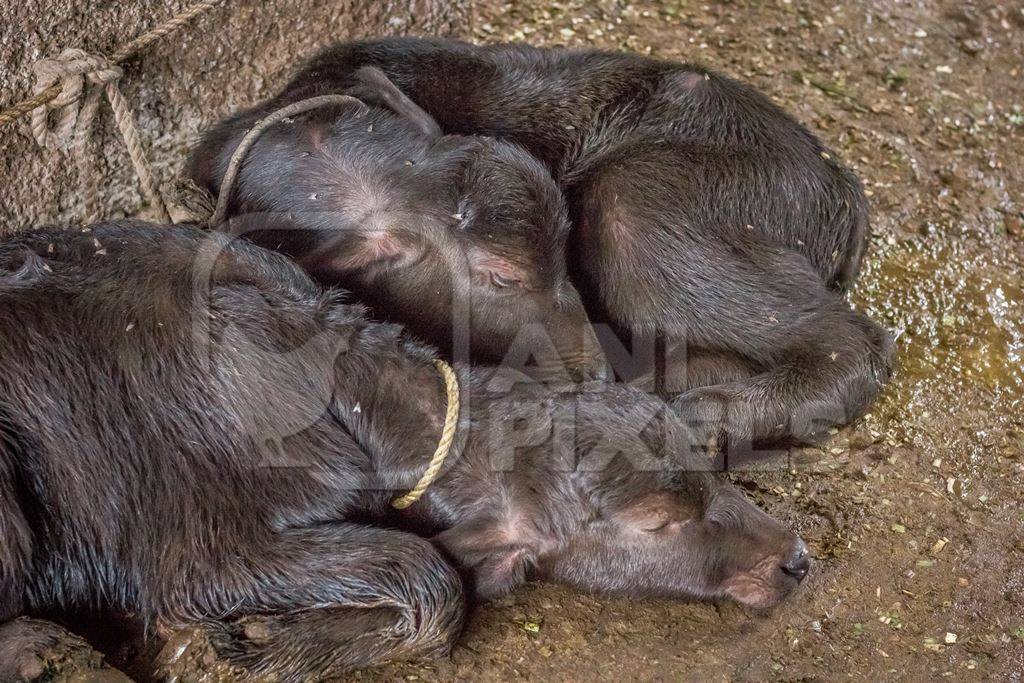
629, 511
462, 239
662, 544
488, 273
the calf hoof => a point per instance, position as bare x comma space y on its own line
36, 650
314, 644
705, 412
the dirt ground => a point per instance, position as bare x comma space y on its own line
914, 514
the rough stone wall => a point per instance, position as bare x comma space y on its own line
230, 57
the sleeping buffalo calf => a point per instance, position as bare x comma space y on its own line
192, 431
448, 234
705, 219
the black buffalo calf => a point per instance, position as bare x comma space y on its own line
460, 238
192, 431
704, 217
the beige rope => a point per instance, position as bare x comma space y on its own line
59, 86
16, 111
238, 156
71, 70
444, 446
451, 381
139, 44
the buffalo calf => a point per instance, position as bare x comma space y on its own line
707, 222
193, 432
460, 238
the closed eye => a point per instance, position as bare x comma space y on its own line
502, 282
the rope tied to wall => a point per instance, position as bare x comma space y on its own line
72, 85
73, 70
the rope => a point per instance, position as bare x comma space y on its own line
170, 26
444, 446
451, 381
71, 70
16, 111
235, 165
59, 86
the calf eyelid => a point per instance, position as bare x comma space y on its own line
503, 282
672, 525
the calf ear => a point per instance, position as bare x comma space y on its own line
354, 252
373, 87
496, 564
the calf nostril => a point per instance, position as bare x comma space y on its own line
798, 563
797, 568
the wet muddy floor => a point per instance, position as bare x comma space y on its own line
915, 515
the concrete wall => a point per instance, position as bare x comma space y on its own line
232, 56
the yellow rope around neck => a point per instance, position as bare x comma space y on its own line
444, 446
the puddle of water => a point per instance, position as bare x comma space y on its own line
957, 309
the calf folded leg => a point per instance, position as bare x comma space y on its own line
661, 268
825, 380
318, 602
32, 649
686, 368
15, 534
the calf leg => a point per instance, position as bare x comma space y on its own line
817, 384
317, 602
15, 537
690, 368
31, 649
663, 267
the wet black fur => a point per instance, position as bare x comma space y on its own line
194, 432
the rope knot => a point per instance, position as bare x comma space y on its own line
71, 69
60, 84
